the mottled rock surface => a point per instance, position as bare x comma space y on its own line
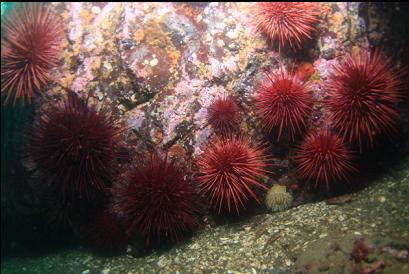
162, 64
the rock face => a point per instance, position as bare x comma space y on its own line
160, 66
352, 253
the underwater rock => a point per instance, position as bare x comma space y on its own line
152, 60
339, 199
351, 253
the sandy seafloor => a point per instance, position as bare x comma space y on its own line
284, 242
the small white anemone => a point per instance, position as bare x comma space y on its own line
278, 199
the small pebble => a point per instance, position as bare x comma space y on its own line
149, 260
96, 9
220, 43
288, 262
232, 45
232, 34
154, 62
100, 95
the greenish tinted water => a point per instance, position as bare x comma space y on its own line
5, 6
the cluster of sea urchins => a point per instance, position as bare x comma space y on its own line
363, 92
75, 145
30, 48
362, 96
231, 168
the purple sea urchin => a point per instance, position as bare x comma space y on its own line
75, 147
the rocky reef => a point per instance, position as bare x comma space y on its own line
159, 67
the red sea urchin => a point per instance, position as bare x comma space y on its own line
287, 22
363, 93
324, 157
155, 198
229, 170
223, 115
74, 147
29, 49
284, 103
105, 234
